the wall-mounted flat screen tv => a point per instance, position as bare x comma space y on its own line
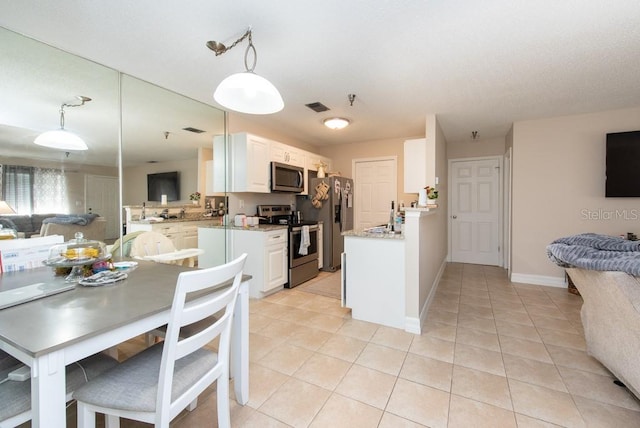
623, 165
163, 183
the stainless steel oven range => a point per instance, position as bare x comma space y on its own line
303, 241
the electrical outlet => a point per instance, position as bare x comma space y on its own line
241, 203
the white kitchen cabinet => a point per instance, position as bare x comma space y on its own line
215, 241
419, 165
243, 166
312, 162
287, 154
182, 234
190, 236
267, 258
209, 188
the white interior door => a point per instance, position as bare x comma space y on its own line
102, 198
375, 182
475, 211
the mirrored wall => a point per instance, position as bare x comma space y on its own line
132, 129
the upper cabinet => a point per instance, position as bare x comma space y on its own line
419, 165
248, 163
246, 166
286, 154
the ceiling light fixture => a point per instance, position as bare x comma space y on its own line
336, 122
246, 92
61, 138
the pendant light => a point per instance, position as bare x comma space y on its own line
246, 92
61, 138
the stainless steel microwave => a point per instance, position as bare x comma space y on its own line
286, 178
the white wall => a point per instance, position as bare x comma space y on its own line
558, 187
134, 179
475, 148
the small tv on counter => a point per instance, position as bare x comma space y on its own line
163, 183
623, 165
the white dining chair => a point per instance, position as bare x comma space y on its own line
155, 385
156, 247
15, 396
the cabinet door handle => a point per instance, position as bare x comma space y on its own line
454, 217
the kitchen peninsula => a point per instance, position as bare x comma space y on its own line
390, 279
180, 226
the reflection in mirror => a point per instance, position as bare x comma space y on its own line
165, 132
36, 80
160, 133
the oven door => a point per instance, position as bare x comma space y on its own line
295, 239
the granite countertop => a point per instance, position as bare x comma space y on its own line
365, 234
258, 228
175, 220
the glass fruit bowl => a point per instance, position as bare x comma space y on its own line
76, 254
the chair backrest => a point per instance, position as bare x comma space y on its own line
151, 244
190, 305
125, 244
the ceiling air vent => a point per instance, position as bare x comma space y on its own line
194, 130
318, 107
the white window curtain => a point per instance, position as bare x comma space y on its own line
31, 190
50, 191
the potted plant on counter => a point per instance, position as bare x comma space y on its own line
432, 195
195, 198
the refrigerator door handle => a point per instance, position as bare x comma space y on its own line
343, 280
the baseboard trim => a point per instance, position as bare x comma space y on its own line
414, 325
550, 281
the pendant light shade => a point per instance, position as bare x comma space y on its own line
247, 92
61, 139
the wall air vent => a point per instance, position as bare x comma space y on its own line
318, 107
194, 130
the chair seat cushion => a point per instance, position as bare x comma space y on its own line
15, 396
133, 385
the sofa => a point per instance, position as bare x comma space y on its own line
29, 226
95, 230
611, 320
25, 225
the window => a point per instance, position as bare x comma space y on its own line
31, 190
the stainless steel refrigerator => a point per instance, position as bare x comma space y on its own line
330, 201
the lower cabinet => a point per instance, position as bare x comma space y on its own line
182, 234
267, 261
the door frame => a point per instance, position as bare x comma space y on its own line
394, 158
501, 203
506, 243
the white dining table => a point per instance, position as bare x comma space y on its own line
51, 333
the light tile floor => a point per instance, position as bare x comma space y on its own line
492, 354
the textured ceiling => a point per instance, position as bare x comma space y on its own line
478, 65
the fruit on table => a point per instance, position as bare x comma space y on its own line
77, 253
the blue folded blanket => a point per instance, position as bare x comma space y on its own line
596, 252
79, 219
